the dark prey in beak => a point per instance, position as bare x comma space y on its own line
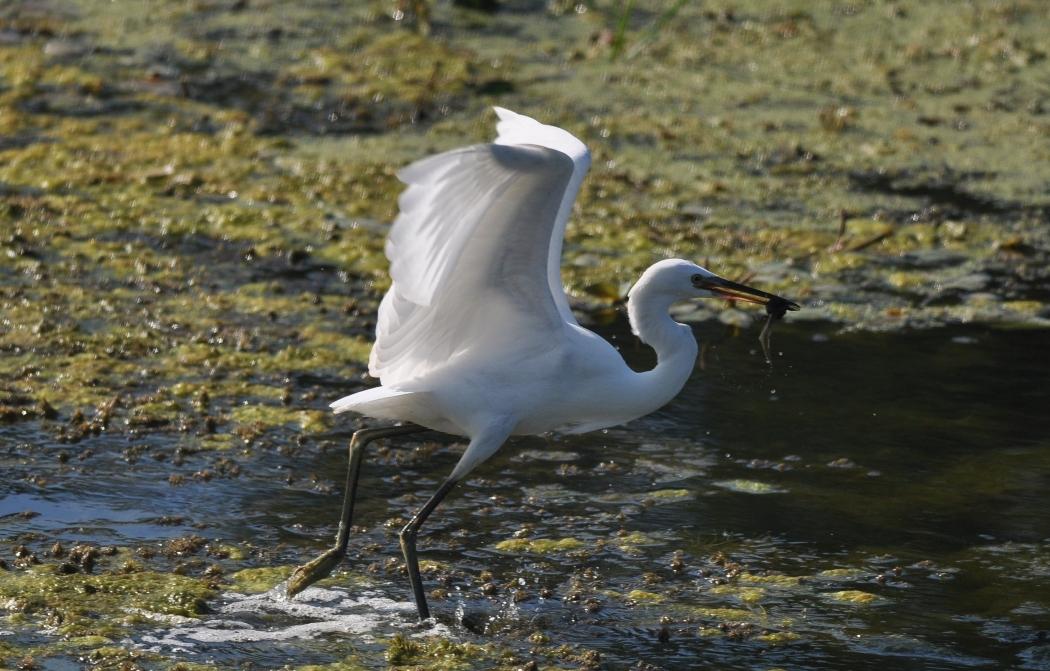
776, 307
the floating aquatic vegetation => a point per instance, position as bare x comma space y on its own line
749, 486
542, 546
854, 596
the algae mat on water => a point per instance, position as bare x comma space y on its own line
195, 195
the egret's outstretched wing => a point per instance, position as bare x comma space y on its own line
469, 259
518, 129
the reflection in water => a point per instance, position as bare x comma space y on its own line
871, 499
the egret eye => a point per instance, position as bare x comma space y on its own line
697, 279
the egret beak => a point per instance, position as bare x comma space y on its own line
738, 292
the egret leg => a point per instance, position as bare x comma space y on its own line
319, 568
408, 544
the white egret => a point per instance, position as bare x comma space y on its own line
475, 337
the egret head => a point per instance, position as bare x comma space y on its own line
684, 280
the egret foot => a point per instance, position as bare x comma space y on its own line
319, 568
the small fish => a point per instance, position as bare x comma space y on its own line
776, 308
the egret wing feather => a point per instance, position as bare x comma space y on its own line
469, 260
518, 129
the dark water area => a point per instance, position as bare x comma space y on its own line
869, 500
929, 418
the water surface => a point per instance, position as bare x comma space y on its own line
870, 499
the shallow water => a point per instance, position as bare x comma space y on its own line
871, 499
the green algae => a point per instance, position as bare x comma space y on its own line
842, 574
641, 596
749, 486
267, 416
434, 653
261, 579
193, 666
745, 595
265, 578
854, 597
541, 546
233, 552
656, 497
634, 541
99, 605
724, 614
348, 664
670, 495
772, 580
778, 637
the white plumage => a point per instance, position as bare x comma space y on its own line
462, 252
475, 336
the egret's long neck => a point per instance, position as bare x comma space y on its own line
648, 311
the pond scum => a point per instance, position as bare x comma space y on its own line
194, 196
